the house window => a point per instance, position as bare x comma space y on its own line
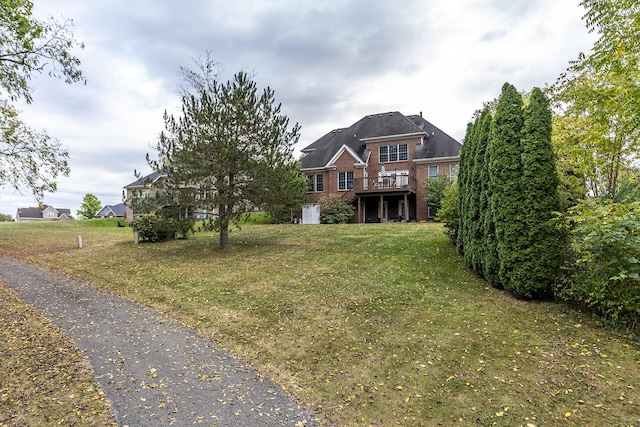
432, 211
394, 153
384, 154
315, 183
345, 180
433, 171
453, 172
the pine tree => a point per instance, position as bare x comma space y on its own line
542, 248
505, 172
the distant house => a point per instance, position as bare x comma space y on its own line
146, 186
112, 211
380, 165
149, 186
44, 213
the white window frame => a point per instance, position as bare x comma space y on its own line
429, 171
393, 153
343, 180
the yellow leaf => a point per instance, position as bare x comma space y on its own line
567, 414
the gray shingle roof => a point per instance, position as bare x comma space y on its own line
438, 143
146, 180
118, 210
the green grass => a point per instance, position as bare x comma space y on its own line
372, 324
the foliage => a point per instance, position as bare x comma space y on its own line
28, 46
599, 126
449, 211
154, 228
334, 210
226, 139
508, 194
27, 157
605, 264
5, 217
541, 244
435, 191
505, 175
90, 206
280, 191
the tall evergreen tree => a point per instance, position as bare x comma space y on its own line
542, 248
478, 186
464, 183
505, 171
488, 251
463, 179
217, 152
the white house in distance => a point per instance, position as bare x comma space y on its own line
43, 213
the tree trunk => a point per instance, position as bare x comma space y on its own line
224, 237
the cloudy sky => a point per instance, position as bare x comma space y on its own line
329, 62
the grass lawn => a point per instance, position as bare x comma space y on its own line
373, 324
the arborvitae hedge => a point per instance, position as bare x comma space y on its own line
543, 248
505, 173
507, 195
477, 188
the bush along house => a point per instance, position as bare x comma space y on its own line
380, 165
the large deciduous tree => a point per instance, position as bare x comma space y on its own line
90, 206
230, 148
29, 46
599, 128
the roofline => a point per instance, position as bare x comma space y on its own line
342, 149
391, 137
318, 169
435, 159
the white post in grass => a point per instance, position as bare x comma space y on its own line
136, 237
79, 242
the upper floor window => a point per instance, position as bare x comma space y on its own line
394, 153
345, 180
433, 171
315, 183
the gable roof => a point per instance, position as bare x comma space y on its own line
36, 213
378, 127
118, 210
30, 212
145, 181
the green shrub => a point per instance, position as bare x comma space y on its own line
334, 210
604, 266
448, 212
153, 228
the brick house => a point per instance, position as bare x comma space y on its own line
379, 164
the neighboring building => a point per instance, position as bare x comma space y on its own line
112, 211
44, 213
380, 164
149, 186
